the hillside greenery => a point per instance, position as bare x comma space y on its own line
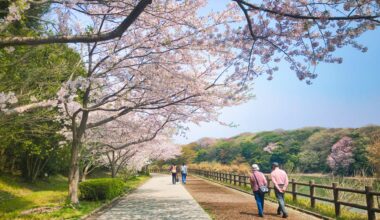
303, 150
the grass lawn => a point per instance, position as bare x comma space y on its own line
18, 197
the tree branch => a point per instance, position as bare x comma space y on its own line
117, 32
307, 17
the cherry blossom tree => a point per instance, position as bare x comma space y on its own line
118, 141
160, 149
135, 157
302, 32
160, 70
341, 156
91, 158
169, 61
270, 147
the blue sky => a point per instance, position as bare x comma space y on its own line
343, 95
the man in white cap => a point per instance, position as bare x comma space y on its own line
258, 180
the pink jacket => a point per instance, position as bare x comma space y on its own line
279, 177
260, 179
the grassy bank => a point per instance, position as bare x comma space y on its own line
44, 199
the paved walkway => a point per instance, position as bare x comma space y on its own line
156, 199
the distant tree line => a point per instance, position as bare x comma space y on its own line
310, 150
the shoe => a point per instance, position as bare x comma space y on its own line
261, 215
279, 213
284, 216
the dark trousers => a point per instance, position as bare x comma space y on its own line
281, 202
174, 178
259, 197
184, 178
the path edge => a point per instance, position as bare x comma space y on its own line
112, 202
207, 213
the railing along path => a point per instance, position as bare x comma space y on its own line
242, 180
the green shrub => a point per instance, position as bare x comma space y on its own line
101, 189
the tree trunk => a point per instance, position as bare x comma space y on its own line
13, 165
2, 159
113, 170
74, 171
75, 156
40, 167
85, 172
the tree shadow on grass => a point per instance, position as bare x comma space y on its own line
11, 203
53, 183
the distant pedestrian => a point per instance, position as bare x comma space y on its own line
258, 181
173, 171
184, 173
280, 182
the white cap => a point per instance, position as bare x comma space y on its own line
255, 167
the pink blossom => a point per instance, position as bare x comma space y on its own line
341, 156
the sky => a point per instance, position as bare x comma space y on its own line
343, 95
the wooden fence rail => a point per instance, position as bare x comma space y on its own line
241, 180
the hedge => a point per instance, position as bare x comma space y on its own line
101, 189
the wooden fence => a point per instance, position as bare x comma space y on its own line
242, 180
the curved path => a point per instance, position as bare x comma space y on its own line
156, 199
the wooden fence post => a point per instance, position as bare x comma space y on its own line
336, 199
245, 181
230, 178
239, 180
294, 190
269, 189
234, 179
370, 203
312, 192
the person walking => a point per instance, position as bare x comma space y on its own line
184, 173
257, 180
280, 182
173, 170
